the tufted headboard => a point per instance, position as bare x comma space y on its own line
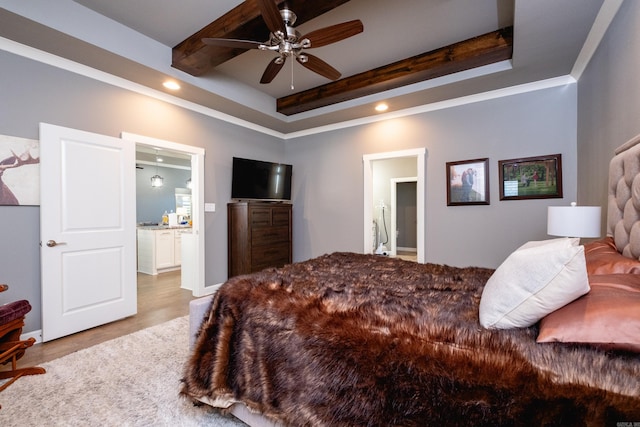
623, 214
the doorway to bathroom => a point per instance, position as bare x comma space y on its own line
380, 169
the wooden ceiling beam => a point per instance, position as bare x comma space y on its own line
476, 52
243, 22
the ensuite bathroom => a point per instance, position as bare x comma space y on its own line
394, 227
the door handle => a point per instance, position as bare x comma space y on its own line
52, 243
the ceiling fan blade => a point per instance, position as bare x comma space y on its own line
317, 65
334, 33
234, 43
272, 70
271, 16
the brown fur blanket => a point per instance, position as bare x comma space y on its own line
364, 340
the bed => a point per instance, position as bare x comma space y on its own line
551, 337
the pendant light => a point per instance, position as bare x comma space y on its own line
157, 180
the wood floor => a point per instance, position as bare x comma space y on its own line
407, 255
160, 299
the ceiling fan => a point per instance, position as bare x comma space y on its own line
288, 42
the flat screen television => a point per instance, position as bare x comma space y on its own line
259, 180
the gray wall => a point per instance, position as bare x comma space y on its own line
328, 184
152, 202
33, 92
608, 103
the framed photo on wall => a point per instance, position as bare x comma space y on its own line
19, 171
468, 182
531, 178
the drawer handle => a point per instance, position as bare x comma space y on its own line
274, 252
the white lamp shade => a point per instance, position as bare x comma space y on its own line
573, 221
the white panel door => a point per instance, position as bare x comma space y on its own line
87, 230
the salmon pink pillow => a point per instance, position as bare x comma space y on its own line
608, 316
603, 258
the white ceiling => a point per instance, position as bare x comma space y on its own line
133, 39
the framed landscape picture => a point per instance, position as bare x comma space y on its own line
468, 182
531, 178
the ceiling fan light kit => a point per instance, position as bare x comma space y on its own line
287, 41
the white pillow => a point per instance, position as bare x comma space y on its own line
559, 242
535, 280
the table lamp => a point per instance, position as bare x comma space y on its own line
573, 221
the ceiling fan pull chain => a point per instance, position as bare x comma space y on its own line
292, 87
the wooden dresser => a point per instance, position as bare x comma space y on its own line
259, 236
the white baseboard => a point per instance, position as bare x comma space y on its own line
209, 290
37, 335
215, 287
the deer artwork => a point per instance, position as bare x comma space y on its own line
15, 161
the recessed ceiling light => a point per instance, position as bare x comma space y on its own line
172, 85
382, 107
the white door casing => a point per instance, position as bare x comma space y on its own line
87, 228
367, 159
193, 244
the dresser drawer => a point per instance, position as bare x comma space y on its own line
260, 217
275, 255
267, 236
281, 216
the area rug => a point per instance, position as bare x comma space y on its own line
133, 380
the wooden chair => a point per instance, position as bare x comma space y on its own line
11, 347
